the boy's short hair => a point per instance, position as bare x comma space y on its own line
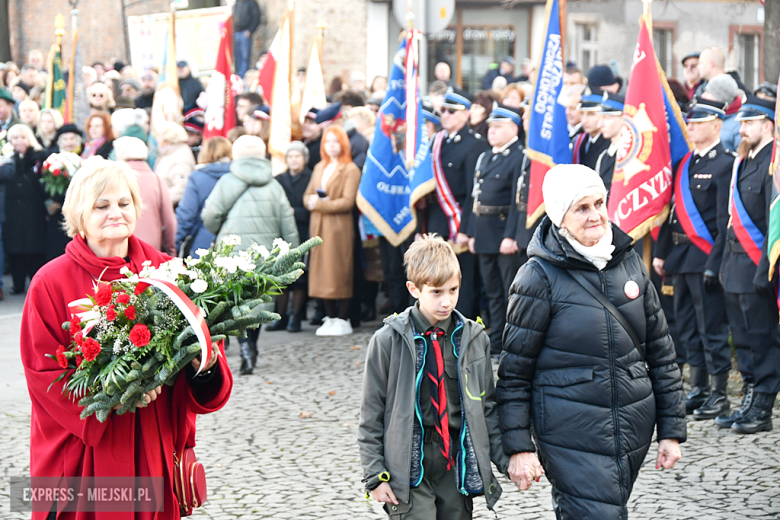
430, 261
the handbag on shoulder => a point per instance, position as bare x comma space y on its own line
189, 481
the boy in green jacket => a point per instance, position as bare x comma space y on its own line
428, 419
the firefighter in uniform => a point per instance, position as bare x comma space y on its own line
609, 126
751, 303
447, 211
690, 249
489, 236
587, 146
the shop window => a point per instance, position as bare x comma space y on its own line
585, 45
663, 42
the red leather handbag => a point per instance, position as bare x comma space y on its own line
189, 481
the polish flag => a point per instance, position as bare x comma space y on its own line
266, 76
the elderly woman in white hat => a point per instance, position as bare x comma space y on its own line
588, 363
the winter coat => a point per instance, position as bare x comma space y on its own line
24, 231
136, 444
174, 166
294, 187
247, 16
571, 371
330, 264
190, 88
199, 187
157, 224
248, 202
389, 437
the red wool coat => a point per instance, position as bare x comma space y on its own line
133, 444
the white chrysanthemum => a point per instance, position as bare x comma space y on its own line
199, 286
126, 271
228, 263
231, 240
283, 246
263, 251
244, 261
201, 252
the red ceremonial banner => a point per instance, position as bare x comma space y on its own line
221, 111
642, 183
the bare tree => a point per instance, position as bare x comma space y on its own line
771, 40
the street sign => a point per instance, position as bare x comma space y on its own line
430, 16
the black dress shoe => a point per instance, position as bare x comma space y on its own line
294, 325
759, 417
718, 403
700, 389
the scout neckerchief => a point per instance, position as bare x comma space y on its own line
577, 145
447, 200
687, 212
748, 234
439, 395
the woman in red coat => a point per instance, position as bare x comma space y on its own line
101, 209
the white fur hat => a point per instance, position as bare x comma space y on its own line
130, 149
566, 184
249, 146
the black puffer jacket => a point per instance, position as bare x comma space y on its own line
570, 370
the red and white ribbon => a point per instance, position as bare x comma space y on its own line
191, 312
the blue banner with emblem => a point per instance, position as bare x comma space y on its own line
390, 186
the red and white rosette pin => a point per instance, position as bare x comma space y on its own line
191, 312
631, 289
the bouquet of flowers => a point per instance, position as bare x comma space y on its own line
135, 334
6, 148
57, 171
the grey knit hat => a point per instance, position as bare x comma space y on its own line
298, 146
724, 88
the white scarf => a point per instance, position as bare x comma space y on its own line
599, 254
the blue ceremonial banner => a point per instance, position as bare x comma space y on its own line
388, 188
678, 130
548, 135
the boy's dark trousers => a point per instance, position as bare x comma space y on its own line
437, 497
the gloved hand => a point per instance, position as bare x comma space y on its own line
765, 291
711, 282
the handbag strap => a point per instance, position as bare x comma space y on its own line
579, 278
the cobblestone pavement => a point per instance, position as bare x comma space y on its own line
284, 447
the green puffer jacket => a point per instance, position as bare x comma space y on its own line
250, 203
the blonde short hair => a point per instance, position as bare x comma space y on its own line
430, 261
25, 130
95, 176
364, 114
171, 132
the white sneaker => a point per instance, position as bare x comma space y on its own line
341, 328
325, 328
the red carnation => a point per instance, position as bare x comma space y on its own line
61, 359
78, 337
79, 359
91, 349
130, 312
103, 295
140, 335
75, 325
123, 298
141, 287
56, 173
111, 313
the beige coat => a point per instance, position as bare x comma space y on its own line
330, 264
174, 166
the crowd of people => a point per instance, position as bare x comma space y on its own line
533, 289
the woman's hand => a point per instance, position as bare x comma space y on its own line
146, 399
212, 359
312, 202
523, 469
668, 453
384, 493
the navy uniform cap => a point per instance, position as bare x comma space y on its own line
312, 113
455, 100
328, 113
261, 112
756, 108
612, 104
701, 110
591, 101
429, 114
502, 113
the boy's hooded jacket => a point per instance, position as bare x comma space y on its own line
390, 431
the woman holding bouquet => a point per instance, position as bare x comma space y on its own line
101, 209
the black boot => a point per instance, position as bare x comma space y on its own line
726, 420
718, 403
248, 357
280, 324
294, 325
700, 389
759, 417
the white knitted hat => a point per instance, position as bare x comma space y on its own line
566, 184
